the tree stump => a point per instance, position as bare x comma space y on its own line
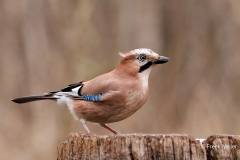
222, 147
130, 146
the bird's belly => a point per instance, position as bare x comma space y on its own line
100, 112
133, 102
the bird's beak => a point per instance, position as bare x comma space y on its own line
161, 60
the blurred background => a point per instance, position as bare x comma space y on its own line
46, 45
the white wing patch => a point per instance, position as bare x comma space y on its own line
75, 90
64, 97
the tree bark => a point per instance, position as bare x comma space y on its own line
222, 147
131, 146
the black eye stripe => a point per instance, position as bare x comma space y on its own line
145, 66
142, 57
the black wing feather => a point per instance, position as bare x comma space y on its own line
50, 95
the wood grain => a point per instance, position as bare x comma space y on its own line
222, 147
131, 146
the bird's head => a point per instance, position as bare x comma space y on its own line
141, 60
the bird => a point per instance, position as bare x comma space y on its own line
110, 97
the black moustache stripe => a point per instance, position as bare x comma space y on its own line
145, 66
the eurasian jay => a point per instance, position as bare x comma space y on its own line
110, 97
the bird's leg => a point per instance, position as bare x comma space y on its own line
109, 128
83, 121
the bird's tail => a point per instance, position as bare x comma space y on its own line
27, 99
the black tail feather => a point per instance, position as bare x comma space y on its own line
27, 99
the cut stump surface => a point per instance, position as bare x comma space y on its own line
130, 146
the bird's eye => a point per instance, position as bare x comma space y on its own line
142, 57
